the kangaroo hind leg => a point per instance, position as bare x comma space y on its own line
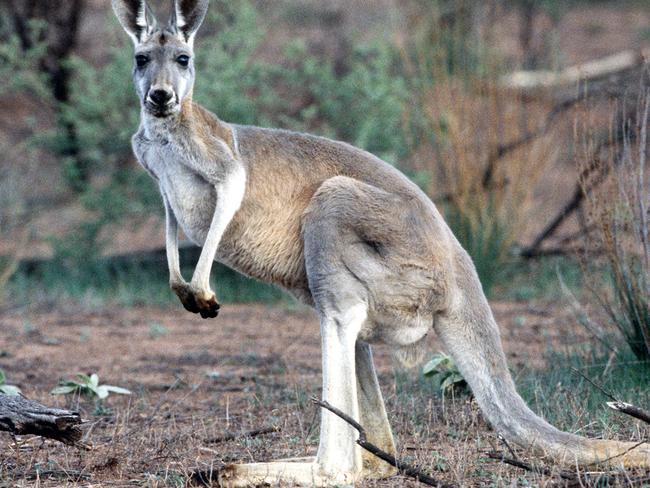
338, 461
372, 415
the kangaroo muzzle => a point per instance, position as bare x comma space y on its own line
161, 101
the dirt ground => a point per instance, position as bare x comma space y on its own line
194, 381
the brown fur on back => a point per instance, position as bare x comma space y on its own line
285, 169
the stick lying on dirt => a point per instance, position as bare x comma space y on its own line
237, 435
598, 68
21, 416
371, 448
616, 404
632, 410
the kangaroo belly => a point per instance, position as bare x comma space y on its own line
266, 243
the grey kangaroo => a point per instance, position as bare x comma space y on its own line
344, 232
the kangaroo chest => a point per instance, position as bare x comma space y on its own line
191, 197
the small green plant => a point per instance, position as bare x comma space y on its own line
6, 389
89, 386
443, 369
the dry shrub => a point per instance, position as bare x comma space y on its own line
617, 189
484, 187
487, 186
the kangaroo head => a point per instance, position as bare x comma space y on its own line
163, 70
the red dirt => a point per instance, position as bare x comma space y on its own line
252, 367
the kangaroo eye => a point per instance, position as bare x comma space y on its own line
141, 60
183, 60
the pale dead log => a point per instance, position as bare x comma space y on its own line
591, 70
21, 416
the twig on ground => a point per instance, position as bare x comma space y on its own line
403, 468
203, 477
631, 410
618, 405
505, 443
59, 474
237, 435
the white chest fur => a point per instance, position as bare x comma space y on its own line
192, 187
191, 197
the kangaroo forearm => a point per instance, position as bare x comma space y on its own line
229, 197
201, 276
171, 241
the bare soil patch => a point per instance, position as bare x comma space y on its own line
253, 367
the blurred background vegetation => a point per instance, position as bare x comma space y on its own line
426, 85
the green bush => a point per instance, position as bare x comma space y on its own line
19, 68
364, 106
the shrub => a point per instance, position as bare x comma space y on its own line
14, 217
486, 193
443, 370
19, 68
618, 212
363, 106
475, 141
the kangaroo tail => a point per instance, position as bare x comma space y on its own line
471, 335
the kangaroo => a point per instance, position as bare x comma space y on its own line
344, 232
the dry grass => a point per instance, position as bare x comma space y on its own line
268, 365
488, 192
483, 150
617, 187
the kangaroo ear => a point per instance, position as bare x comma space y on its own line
187, 16
136, 18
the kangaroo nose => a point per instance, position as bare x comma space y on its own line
160, 97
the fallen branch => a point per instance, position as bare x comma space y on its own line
21, 416
597, 173
616, 404
362, 441
237, 435
589, 71
503, 149
571, 206
631, 410
60, 474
